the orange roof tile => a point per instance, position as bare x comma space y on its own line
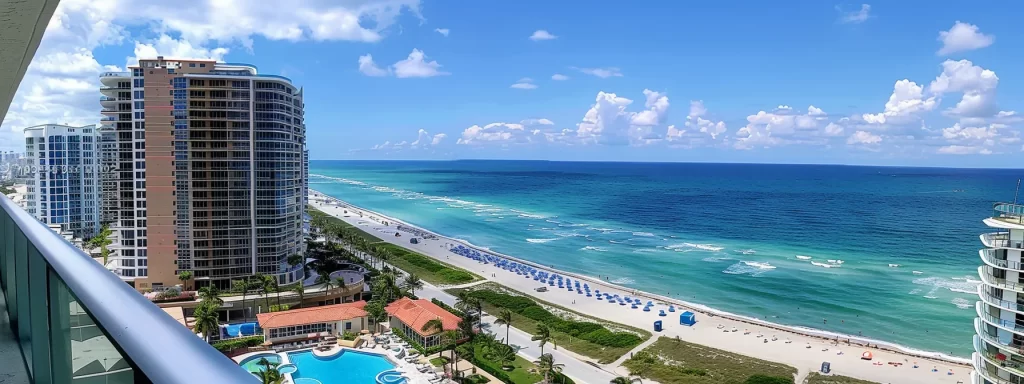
312, 315
416, 313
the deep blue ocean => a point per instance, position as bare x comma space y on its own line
724, 235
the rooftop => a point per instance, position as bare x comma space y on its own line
416, 313
312, 315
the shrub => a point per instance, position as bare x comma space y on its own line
764, 379
241, 342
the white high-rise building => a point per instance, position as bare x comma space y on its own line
999, 343
62, 174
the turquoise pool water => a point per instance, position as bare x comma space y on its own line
251, 363
347, 367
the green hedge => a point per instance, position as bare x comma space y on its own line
592, 332
764, 379
241, 342
448, 308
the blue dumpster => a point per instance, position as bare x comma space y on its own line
657, 326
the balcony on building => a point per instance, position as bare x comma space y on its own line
69, 320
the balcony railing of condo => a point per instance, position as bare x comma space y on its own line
73, 318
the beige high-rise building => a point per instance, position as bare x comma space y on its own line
209, 172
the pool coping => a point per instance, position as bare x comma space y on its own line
387, 354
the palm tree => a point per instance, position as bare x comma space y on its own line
451, 338
210, 294
504, 318
297, 259
546, 365
206, 321
543, 336
503, 355
412, 283
625, 380
301, 291
242, 285
270, 283
433, 325
184, 276
466, 302
328, 284
268, 373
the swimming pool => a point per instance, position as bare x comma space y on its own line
347, 367
251, 363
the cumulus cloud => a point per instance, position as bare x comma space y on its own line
559, 77
524, 83
782, 126
855, 17
369, 68
537, 122
603, 73
863, 138
696, 129
964, 150
609, 122
963, 37
438, 138
416, 65
505, 133
905, 103
977, 85
443, 31
541, 34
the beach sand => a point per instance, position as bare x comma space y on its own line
803, 349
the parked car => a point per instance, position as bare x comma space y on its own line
541, 289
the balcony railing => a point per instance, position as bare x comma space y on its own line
989, 257
1000, 240
986, 273
115, 74
1009, 212
76, 320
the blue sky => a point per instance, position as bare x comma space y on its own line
734, 59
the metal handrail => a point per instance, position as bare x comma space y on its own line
988, 256
144, 332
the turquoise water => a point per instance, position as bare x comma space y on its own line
722, 235
250, 363
347, 367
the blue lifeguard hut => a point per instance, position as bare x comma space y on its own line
657, 326
687, 318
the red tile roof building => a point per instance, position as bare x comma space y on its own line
411, 315
300, 323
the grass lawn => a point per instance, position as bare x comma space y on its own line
602, 354
720, 367
427, 268
520, 374
817, 378
439, 361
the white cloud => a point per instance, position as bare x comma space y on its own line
963, 37
907, 100
864, 138
964, 150
61, 85
814, 111
607, 121
369, 68
541, 34
657, 106
559, 77
781, 127
443, 31
423, 140
537, 122
417, 66
524, 83
503, 133
833, 129
603, 73
977, 84
855, 17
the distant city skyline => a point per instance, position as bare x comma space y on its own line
843, 83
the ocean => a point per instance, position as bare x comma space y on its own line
800, 245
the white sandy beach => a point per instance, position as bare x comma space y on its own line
803, 349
